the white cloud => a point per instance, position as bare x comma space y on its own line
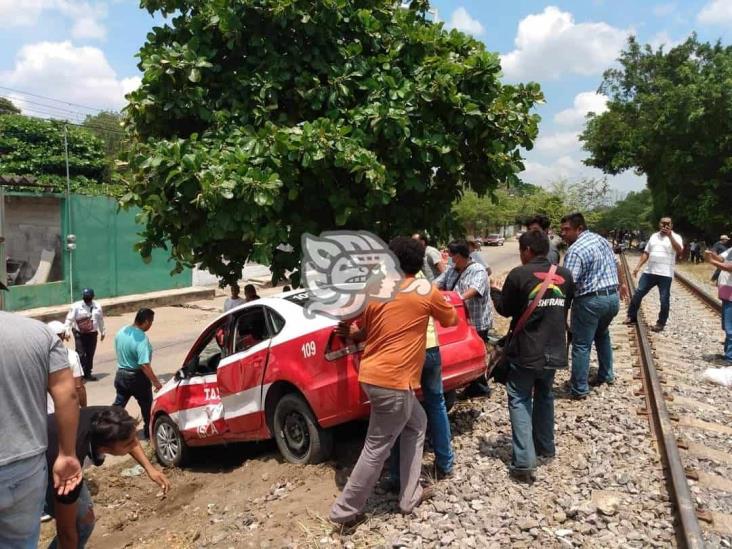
88, 27
463, 21
584, 103
550, 44
663, 39
85, 18
79, 75
557, 143
566, 167
716, 12
664, 10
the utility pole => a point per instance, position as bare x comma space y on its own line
69, 232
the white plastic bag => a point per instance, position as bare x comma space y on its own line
720, 376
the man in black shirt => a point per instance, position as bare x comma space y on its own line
536, 352
102, 430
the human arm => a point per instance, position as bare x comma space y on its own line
507, 299
350, 330
153, 473
441, 280
676, 242
99, 317
148, 371
69, 323
719, 262
623, 288
643, 258
66, 468
476, 279
442, 310
66, 529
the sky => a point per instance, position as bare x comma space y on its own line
78, 56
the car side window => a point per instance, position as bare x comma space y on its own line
276, 322
251, 328
211, 351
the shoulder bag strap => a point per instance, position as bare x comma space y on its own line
532, 307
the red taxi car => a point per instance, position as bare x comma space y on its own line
265, 370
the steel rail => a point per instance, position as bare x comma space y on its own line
699, 292
689, 532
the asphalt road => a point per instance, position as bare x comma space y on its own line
176, 329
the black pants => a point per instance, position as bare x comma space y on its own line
86, 346
134, 383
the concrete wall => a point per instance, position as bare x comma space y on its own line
33, 224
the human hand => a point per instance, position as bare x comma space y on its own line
102, 338
346, 329
158, 385
66, 474
159, 478
624, 292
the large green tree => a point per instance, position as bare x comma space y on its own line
8, 107
33, 146
670, 117
632, 212
259, 120
107, 126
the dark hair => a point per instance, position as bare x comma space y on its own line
459, 247
409, 253
111, 425
250, 288
536, 241
144, 315
576, 220
235, 286
541, 220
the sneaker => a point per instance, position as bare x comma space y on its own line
657, 328
596, 382
441, 474
348, 526
90, 377
427, 494
630, 322
579, 397
521, 475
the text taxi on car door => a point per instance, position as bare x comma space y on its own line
266, 370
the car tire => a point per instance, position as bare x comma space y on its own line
170, 448
296, 431
450, 399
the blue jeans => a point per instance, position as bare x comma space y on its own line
84, 516
532, 417
433, 401
22, 490
727, 327
591, 318
645, 285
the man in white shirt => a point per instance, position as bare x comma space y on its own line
660, 253
234, 300
86, 321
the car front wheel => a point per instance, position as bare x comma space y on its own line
299, 437
170, 447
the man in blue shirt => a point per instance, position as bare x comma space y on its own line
598, 280
135, 376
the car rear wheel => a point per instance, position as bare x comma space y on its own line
299, 437
170, 448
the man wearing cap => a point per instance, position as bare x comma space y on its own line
86, 321
59, 328
660, 253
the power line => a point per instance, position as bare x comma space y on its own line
95, 109
45, 105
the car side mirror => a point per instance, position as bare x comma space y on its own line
180, 375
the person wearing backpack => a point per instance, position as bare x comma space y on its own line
536, 296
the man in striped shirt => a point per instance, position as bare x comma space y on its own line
598, 280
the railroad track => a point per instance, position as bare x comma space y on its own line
689, 419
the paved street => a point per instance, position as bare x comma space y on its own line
176, 328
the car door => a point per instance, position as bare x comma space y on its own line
240, 375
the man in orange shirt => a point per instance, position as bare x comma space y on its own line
391, 366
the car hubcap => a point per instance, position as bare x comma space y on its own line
168, 442
296, 434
